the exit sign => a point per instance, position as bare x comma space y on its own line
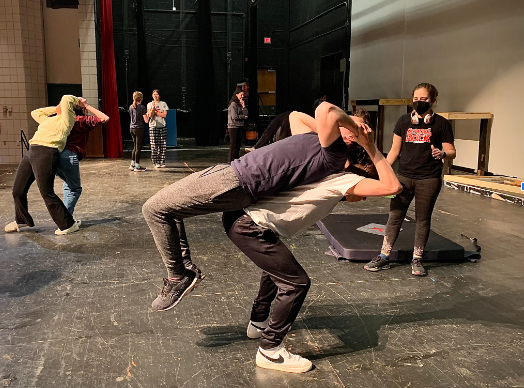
267, 40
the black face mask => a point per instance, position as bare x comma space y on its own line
421, 106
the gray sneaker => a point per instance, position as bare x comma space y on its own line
377, 264
417, 269
173, 292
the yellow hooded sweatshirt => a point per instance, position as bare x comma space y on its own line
53, 131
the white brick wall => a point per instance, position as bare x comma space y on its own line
22, 73
86, 14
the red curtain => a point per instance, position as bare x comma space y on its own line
113, 134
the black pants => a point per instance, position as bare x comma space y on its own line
278, 129
425, 192
138, 137
283, 281
40, 164
235, 140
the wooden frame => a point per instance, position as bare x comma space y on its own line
381, 103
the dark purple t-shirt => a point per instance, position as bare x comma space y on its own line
297, 160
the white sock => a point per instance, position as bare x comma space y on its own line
137, 165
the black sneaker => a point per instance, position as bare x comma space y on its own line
377, 264
417, 269
192, 267
173, 292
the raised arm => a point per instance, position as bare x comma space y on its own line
67, 113
301, 123
40, 114
102, 116
387, 184
328, 119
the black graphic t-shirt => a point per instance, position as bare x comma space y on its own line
416, 160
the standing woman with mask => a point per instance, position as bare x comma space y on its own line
236, 114
423, 139
156, 113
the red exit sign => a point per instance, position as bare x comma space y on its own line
267, 40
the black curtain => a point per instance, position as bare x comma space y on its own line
143, 84
207, 127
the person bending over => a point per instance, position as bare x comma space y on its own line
41, 164
317, 152
284, 283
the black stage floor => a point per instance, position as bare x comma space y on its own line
75, 310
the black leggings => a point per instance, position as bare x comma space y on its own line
235, 140
425, 192
283, 281
138, 137
40, 164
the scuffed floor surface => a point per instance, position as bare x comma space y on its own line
75, 310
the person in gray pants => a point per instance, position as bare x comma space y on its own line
317, 150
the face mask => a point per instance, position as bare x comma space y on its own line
421, 106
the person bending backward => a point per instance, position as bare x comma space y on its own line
304, 158
75, 150
423, 139
284, 282
41, 163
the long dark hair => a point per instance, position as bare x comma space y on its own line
234, 97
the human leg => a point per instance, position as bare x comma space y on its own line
235, 138
397, 212
426, 194
44, 162
24, 178
69, 172
290, 282
212, 190
162, 147
155, 143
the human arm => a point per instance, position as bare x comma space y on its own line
67, 113
102, 116
40, 114
301, 123
328, 119
151, 110
396, 147
387, 184
448, 151
163, 112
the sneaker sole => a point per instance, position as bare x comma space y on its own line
191, 287
283, 368
376, 269
421, 274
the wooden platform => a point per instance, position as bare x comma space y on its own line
497, 187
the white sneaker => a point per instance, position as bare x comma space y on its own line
74, 228
131, 166
280, 359
13, 227
255, 329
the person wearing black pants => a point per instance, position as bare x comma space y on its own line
41, 164
281, 271
138, 113
278, 129
236, 114
423, 139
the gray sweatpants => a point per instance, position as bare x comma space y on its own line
215, 189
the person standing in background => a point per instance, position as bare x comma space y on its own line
75, 150
236, 114
138, 113
156, 113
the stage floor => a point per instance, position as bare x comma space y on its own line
75, 310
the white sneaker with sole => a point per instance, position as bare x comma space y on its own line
280, 359
71, 229
13, 227
255, 329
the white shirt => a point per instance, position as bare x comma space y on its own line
295, 210
158, 121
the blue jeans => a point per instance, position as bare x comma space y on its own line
69, 172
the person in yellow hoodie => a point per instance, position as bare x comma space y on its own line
41, 164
